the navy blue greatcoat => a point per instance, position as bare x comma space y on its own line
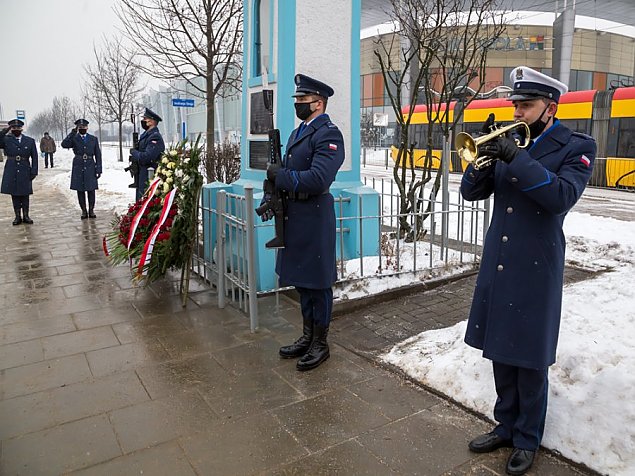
515, 314
85, 170
18, 174
151, 146
310, 164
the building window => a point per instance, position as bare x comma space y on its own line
262, 36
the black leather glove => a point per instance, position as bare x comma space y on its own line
487, 125
269, 213
272, 172
97, 175
33, 176
502, 148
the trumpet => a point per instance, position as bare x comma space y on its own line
467, 146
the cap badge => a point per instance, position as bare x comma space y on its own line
519, 73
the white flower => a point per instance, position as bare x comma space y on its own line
169, 180
186, 161
173, 153
178, 173
171, 165
186, 178
166, 187
168, 173
165, 160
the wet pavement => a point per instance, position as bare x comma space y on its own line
98, 377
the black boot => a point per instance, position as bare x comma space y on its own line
84, 214
319, 350
300, 346
18, 218
91, 213
25, 216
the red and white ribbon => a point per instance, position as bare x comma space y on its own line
139, 215
106, 247
146, 256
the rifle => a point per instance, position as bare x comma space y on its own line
133, 167
275, 203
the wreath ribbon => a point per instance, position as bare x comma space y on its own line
139, 215
146, 255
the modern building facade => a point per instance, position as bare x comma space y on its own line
599, 60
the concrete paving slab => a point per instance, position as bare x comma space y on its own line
157, 421
247, 446
161, 460
46, 409
64, 448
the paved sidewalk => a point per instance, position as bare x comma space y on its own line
101, 378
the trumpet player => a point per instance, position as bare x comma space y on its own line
515, 313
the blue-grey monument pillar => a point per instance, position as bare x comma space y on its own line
320, 39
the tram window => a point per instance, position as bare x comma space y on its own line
626, 137
577, 125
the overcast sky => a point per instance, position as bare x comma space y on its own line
45, 44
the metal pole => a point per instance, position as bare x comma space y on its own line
251, 258
220, 246
445, 194
361, 238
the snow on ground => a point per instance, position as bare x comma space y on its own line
591, 415
113, 193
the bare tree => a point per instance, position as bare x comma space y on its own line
115, 76
437, 58
41, 123
64, 114
94, 104
189, 39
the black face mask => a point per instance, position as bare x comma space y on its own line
536, 127
16, 132
82, 131
144, 125
303, 109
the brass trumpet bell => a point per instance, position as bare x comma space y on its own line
467, 146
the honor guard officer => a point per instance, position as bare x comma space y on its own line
314, 154
515, 314
151, 147
86, 165
20, 169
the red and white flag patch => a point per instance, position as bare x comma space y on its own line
333, 146
585, 160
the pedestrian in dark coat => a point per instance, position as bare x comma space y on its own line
314, 154
48, 148
151, 147
515, 314
87, 166
20, 169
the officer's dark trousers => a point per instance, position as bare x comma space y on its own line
20, 203
81, 197
317, 304
521, 406
46, 158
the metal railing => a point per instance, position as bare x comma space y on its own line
396, 253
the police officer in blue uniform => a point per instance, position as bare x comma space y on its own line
151, 146
515, 314
313, 155
20, 169
86, 165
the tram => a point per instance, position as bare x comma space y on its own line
608, 116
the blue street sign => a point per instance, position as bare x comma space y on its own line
20, 114
178, 102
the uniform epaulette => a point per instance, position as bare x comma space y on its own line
582, 134
330, 125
